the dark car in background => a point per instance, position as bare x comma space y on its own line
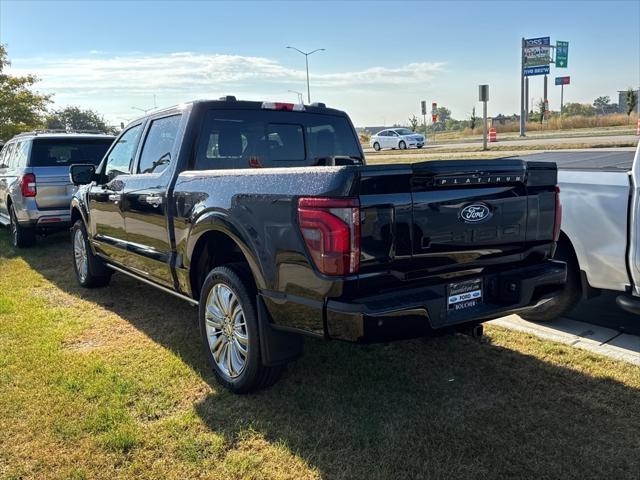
35, 190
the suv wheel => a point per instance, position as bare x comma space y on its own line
229, 326
20, 236
90, 270
402, 145
376, 147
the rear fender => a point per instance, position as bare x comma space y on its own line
218, 222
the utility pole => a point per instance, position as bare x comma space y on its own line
522, 101
306, 61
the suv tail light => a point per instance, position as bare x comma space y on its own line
558, 220
331, 231
28, 185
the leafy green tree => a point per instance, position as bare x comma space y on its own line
21, 109
413, 123
632, 101
473, 120
444, 114
601, 103
541, 109
75, 118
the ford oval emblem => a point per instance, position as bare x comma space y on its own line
475, 213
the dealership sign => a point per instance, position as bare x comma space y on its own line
563, 80
537, 52
529, 71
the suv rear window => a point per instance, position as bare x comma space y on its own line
60, 152
263, 138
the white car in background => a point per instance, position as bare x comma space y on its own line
399, 138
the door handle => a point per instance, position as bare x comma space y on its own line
153, 200
115, 197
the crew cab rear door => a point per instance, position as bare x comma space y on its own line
106, 195
146, 206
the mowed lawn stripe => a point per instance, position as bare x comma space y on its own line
111, 383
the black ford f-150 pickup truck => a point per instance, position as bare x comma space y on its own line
267, 217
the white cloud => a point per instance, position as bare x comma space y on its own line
125, 79
184, 70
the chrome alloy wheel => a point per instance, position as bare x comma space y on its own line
226, 330
80, 255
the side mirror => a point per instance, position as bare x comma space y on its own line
82, 174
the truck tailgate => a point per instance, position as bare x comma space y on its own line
440, 216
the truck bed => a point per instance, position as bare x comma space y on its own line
605, 161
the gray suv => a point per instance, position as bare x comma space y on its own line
35, 190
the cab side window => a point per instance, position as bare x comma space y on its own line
121, 155
158, 148
20, 157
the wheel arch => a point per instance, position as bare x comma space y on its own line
215, 241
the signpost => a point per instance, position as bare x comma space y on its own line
562, 54
536, 58
562, 81
434, 118
483, 96
423, 105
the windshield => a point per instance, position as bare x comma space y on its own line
59, 152
405, 131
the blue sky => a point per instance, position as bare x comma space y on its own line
381, 58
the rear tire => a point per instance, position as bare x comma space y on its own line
91, 272
402, 145
21, 237
229, 326
376, 147
568, 297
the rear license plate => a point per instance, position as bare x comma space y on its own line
463, 295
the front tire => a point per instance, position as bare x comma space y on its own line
21, 237
90, 270
402, 145
376, 147
229, 325
568, 297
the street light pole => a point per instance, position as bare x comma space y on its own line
306, 59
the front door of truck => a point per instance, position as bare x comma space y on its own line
106, 227
146, 205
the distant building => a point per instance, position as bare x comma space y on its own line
501, 119
622, 101
370, 130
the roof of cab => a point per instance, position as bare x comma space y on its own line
230, 102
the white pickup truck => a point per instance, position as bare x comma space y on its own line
600, 237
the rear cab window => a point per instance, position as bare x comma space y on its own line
62, 152
263, 138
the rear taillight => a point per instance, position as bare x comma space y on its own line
331, 231
558, 219
28, 185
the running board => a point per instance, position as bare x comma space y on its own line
148, 282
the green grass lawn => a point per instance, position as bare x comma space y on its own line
111, 384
